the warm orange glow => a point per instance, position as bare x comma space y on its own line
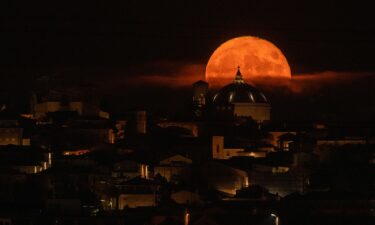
257, 58
172, 74
187, 217
311, 82
76, 152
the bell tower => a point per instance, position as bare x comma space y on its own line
200, 91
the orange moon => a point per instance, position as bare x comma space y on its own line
256, 57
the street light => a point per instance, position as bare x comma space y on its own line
276, 218
187, 217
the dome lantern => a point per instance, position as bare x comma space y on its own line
238, 78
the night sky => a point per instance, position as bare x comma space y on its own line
115, 43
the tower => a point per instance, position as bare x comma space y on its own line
141, 122
200, 89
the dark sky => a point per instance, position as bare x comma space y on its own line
314, 35
101, 39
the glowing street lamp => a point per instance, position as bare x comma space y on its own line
276, 218
186, 217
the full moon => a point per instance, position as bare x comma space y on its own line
256, 57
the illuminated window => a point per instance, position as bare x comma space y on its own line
280, 169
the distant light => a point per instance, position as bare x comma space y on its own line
231, 97
276, 218
246, 182
251, 97
187, 217
215, 97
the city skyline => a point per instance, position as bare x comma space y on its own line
165, 46
187, 112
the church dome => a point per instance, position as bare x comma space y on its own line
239, 92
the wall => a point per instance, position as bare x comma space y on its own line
186, 197
258, 112
191, 126
168, 171
218, 147
280, 183
11, 136
136, 200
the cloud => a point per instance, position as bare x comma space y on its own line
165, 73
177, 74
309, 83
321, 95
302, 83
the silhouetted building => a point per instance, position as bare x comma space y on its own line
220, 151
141, 122
52, 94
11, 131
134, 122
138, 192
171, 167
200, 91
240, 99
